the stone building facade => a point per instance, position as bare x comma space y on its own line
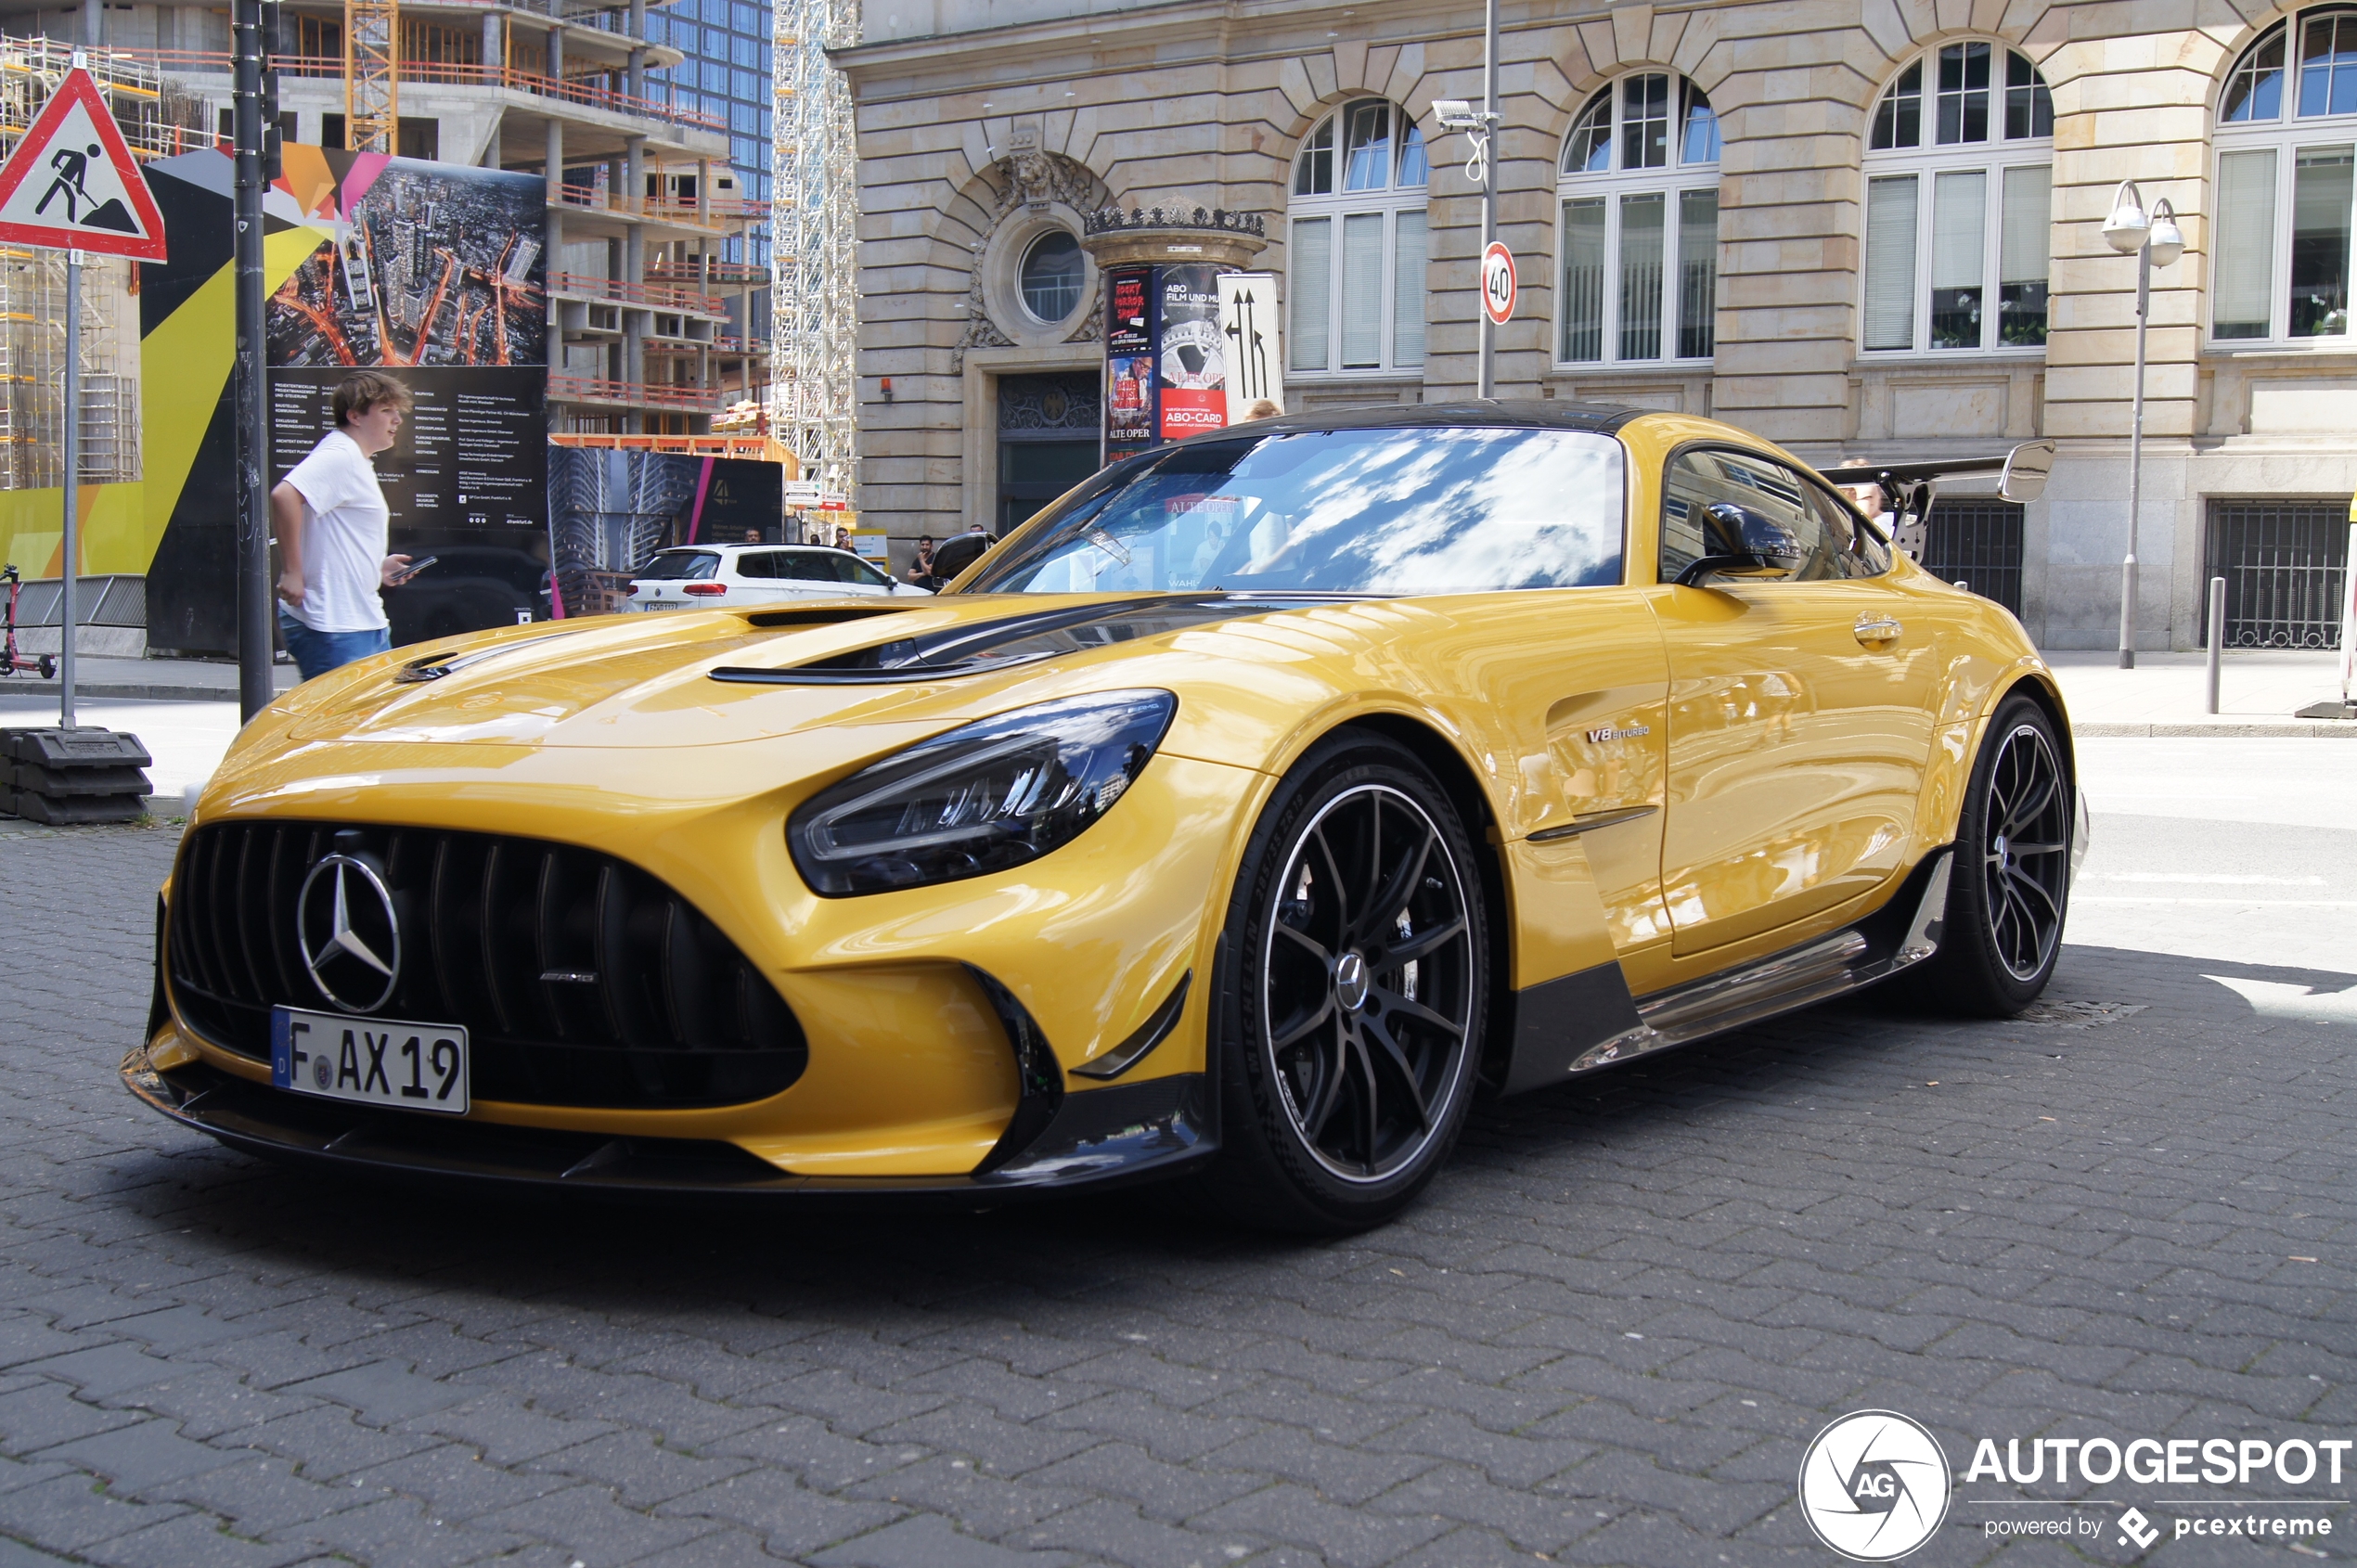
1864, 228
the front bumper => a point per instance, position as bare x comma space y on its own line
1114, 1134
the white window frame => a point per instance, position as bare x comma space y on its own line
1669, 181
1388, 203
2287, 135
1991, 159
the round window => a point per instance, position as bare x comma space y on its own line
1050, 275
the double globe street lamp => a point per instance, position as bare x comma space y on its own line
2156, 240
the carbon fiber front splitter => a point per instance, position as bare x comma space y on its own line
1098, 1138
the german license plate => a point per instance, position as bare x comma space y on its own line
662, 604
369, 1061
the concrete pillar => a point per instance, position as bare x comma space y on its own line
637, 87
554, 169
703, 190
93, 23
494, 56
634, 168
556, 49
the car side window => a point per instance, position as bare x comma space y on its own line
757, 565
1701, 478
1859, 550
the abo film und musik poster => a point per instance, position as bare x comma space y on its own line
1191, 351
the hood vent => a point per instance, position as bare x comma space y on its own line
1020, 639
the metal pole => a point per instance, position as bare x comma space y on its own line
2136, 464
74, 490
1486, 378
2217, 633
253, 499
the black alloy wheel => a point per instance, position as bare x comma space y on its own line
1354, 976
2025, 856
2009, 884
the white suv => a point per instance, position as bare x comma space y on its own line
714, 576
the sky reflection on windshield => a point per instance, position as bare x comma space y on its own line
1382, 511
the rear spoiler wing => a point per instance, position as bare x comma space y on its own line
1910, 487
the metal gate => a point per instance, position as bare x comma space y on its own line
2282, 562
1979, 544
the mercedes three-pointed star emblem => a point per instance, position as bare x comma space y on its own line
355, 944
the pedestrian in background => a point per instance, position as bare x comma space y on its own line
920, 571
330, 517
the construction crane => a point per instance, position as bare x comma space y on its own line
372, 75
814, 299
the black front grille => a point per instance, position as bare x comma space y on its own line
661, 1010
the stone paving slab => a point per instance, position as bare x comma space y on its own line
1605, 1338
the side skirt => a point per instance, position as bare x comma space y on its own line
1565, 1027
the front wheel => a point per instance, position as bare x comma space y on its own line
1353, 978
2009, 885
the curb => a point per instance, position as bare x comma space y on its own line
2234, 729
137, 691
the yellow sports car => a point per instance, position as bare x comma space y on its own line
1237, 820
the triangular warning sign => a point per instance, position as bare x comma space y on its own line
72, 183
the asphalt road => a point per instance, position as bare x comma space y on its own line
1607, 1337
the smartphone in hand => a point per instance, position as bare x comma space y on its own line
412, 570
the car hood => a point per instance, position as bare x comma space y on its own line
707, 679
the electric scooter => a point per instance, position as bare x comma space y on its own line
11, 662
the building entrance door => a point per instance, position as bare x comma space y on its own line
1048, 428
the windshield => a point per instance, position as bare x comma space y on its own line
1431, 510
669, 566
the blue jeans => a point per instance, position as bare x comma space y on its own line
317, 652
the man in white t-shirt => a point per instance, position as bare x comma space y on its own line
330, 516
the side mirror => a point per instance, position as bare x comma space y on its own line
1743, 540
2026, 470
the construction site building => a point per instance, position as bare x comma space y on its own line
657, 287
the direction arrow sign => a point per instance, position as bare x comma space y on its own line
72, 184
1498, 285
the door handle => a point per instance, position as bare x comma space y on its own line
1877, 628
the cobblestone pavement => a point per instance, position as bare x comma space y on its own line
1605, 1338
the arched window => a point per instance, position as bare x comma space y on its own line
1638, 188
1355, 254
1959, 223
2287, 139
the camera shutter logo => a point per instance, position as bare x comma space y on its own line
350, 937
1875, 1486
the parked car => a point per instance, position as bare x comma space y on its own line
726, 576
1237, 820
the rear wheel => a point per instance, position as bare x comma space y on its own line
1354, 971
2009, 884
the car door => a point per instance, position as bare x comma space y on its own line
1800, 708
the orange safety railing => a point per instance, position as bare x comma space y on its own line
583, 90
722, 271
656, 296
583, 389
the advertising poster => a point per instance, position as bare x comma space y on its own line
433, 271
1191, 355
1256, 357
610, 510
1130, 363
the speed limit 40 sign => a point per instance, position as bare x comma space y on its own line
1498, 286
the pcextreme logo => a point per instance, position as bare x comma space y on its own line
1875, 1486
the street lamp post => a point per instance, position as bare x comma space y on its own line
2155, 240
1480, 125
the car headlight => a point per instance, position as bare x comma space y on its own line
979, 799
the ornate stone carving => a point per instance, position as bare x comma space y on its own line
1032, 179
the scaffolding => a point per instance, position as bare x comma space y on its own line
814, 304
156, 119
